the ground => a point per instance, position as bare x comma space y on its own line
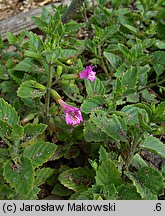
10, 8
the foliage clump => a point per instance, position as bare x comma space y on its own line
107, 64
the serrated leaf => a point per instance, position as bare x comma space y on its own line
94, 88
72, 91
60, 190
35, 41
95, 102
32, 129
110, 192
19, 176
159, 114
7, 113
133, 114
128, 192
154, 145
40, 152
113, 59
141, 189
31, 89
130, 27
42, 175
32, 195
11, 38
130, 79
103, 155
90, 193
159, 68
143, 74
34, 55
17, 133
4, 129
138, 162
77, 179
108, 174
26, 65
158, 57
152, 179
114, 126
6, 192
124, 50
93, 133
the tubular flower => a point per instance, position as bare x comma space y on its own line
73, 115
88, 73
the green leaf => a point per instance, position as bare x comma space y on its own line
159, 114
95, 102
32, 195
26, 65
6, 192
151, 179
72, 91
77, 179
107, 174
35, 41
40, 152
113, 59
129, 80
130, 27
33, 55
159, 68
160, 44
32, 129
94, 88
154, 145
158, 57
31, 89
143, 74
128, 192
124, 50
3, 72
42, 175
110, 192
114, 126
133, 114
11, 38
19, 176
4, 129
60, 190
158, 61
93, 133
103, 154
138, 162
17, 133
7, 113
90, 193
141, 189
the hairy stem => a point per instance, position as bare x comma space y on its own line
47, 100
102, 62
151, 85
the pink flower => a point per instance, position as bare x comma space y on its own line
88, 73
73, 115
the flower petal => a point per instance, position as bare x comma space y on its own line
92, 76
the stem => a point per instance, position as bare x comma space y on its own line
151, 85
102, 62
47, 100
